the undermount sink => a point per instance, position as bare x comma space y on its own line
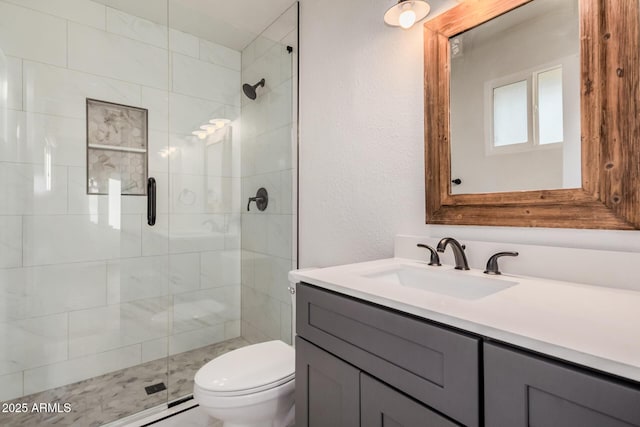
449, 282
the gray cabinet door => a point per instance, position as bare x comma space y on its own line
523, 390
434, 365
327, 389
382, 406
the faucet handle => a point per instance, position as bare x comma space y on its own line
435, 259
492, 264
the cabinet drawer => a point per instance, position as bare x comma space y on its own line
382, 406
434, 365
526, 390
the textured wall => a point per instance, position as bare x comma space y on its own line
361, 146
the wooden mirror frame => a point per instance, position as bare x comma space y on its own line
610, 126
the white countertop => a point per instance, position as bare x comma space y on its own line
589, 325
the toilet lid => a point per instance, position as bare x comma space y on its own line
252, 368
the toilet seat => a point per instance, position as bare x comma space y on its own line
248, 370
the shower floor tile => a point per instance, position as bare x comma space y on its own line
116, 395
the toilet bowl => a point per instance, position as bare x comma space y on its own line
252, 386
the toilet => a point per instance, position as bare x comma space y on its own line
252, 386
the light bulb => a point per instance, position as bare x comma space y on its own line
209, 128
407, 18
201, 134
219, 123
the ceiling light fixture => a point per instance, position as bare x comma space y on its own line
220, 123
201, 134
209, 128
406, 13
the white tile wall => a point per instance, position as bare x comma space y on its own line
271, 276
261, 311
105, 328
188, 192
17, 37
157, 102
179, 343
63, 92
155, 240
69, 371
205, 80
286, 316
14, 83
27, 189
11, 386
279, 235
221, 55
205, 308
59, 239
137, 278
184, 43
187, 113
32, 342
64, 138
218, 155
131, 26
280, 106
118, 57
196, 233
254, 233
82, 11
86, 289
155, 349
80, 202
158, 151
39, 291
274, 150
232, 329
232, 239
220, 268
10, 241
184, 272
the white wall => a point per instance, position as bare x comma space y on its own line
361, 146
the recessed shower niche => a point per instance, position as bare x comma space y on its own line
116, 148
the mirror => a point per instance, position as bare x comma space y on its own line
602, 136
515, 101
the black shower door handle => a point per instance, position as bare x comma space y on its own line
151, 201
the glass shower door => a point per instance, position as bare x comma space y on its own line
85, 302
204, 201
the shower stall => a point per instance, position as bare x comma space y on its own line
128, 153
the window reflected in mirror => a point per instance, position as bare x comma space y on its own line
515, 101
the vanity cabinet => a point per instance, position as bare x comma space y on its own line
522, 389
330, 392
435, 366
361, 364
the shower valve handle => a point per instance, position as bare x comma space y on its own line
261, 199
254, 199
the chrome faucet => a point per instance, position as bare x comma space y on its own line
458, 252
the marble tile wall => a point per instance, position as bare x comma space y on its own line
86, 287
268, 153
